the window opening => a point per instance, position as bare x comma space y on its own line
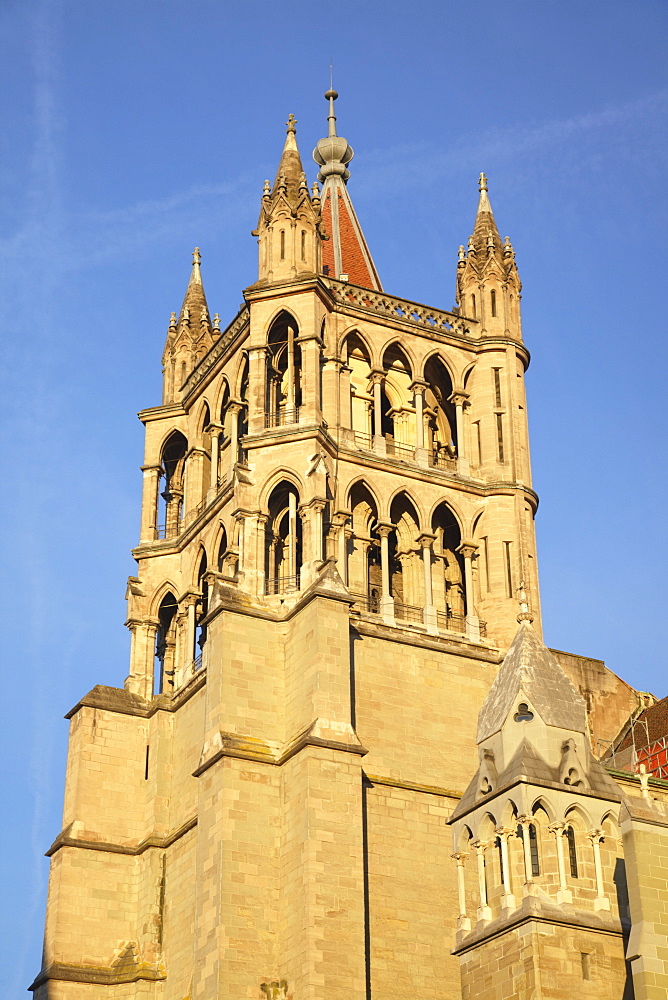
586, 967
303, 245
523, 713
493, 302
282, 244
509, 571
146, 765
497, 386
569, 834
499, 436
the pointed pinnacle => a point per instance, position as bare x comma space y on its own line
482, 183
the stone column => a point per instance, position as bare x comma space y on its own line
386, 600
484, 912
345, 396
149, 503
468, 549
418, 387
331, 402
525, 823
290, 401
564, 894
142, 656
463, 922
234, 407
257, 389
311, 515
216, 432
429, 615
174, 500
309, 412
601, 902
507, 897
377, 379
459, 399
292, 539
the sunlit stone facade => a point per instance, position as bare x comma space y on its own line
289, 798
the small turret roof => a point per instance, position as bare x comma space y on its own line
530, 667
195, 299
485, 224
290, 170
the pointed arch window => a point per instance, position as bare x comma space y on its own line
493, 302
282, 244
569, 834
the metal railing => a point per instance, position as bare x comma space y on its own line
408, 612
363, 602
282, 585
363, 440
281, 418
197, 663
441, 460
450, 622
399, 450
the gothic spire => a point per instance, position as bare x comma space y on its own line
290, 178
195, 307
346, 251
485, 239
189, 337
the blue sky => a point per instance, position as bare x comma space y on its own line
136, 130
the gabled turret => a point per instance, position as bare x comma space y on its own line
288, 229
188, 338
488, 283
345, 254
535, 817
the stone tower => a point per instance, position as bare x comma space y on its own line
337, 514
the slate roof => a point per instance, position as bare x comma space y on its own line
530, 667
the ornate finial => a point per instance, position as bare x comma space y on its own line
204, 316
216, 322
197, 257
315, 190
524, 615
266, 190
292, 124
461, 256
471, 246
186, 315
508, 248
302, 181
482, 183
333, 153
490, 241
282, 183
172, 321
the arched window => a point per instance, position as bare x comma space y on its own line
473, 308
533, 846
282, 244
406, 574
448, 571
283, 541
222, 549
440, 418
284, 362
165, 645
303, 244
201, 612
173, 472
569, 834
493, 302
364, 569
361, 398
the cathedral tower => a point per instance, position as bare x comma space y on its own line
337, 514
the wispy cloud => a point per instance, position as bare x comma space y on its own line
386, 169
